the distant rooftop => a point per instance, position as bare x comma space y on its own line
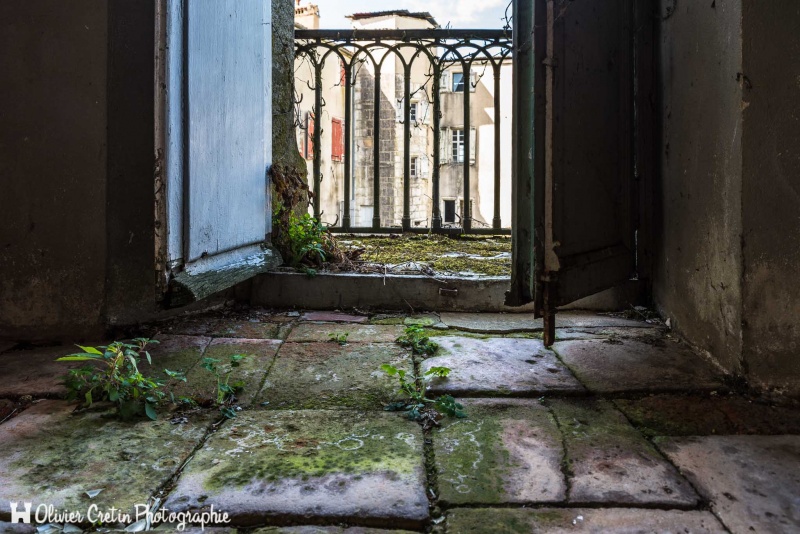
424, 15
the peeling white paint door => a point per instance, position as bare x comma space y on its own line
218, 137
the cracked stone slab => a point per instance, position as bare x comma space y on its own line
196, 325
505, 451
335, 317
249, 329
506, 323
7, 408
753, 482
36, 372
326, 530
174, 352
364, 468
498, 367
636, 366
329, 375
259, 354
50, 456
672, 415
356, 333
564, 520
610, 462
16, 528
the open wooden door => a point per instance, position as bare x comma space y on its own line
576, 90
216, 141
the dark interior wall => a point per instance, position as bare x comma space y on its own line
53, 156
131, 289
697, 269
771, 192
76, 158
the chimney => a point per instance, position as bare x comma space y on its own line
307, 16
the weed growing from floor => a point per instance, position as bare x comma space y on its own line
415, 339
115, 377
414, 388
341, 338
226, 391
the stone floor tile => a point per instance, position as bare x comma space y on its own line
356, 333
423, 319
36, 372
499, 367
652, 336
16, 528
326, 530
329, 375
7, 407
610, 462
564, 520
751, 417
259, 356
506, 323
332, 316
48, 455
673, 415
335, 465
753, 482
491, 323
195, 325
505, 451
633, 366
174, 352
249, 329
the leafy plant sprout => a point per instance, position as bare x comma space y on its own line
414, 388
419, 343
115, 377
225, 391
340, 338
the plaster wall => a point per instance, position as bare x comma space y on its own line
697, 278
771, 192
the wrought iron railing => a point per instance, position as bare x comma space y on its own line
364, 53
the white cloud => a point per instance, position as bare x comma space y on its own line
461, 13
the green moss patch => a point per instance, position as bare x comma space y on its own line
485, 256
329, 375
505, 452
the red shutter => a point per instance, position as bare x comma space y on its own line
337, 140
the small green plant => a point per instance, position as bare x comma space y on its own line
414, 388
225, 391
306, 240
415, 339
341, 338
115, 377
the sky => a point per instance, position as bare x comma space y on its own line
458, 13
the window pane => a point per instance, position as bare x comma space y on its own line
458, 81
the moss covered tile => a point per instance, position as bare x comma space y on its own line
506, 451
259, 355
322, 375
48, 455
351, 333
564, 520
266, 466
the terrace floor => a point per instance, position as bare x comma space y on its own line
619, 428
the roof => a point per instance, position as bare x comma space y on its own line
424, 15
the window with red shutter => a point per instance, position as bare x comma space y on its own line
337, 140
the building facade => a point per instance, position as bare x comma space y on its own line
393, 70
